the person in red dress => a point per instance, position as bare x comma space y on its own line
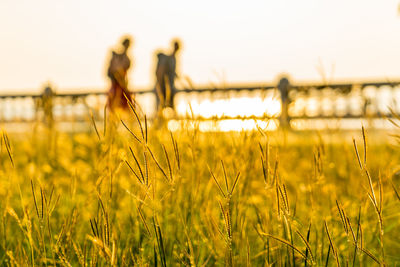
119, 65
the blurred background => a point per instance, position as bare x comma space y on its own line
225, 44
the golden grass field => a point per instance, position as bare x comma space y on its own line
148, 197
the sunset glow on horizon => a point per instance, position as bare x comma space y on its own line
68, 42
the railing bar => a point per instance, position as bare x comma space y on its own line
232, 88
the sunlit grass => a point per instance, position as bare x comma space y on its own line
135, 194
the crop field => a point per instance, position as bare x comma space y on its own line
130, 194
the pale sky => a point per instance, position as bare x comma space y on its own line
224, 41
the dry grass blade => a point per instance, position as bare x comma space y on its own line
215, 226
331, 244
342, 217
106, 232
216, 181
393, 113
394, 123
235, 183
275, 177
158, 164
136, 175
168, 163
160, 242
8, 148
145, 128
101, 204
132, 133
136, 116
357, 236
146, 167
358, 156
262, 131
261, 149
264, 169
395, 191
327, 256
176, 150
373, 199
162, 246
94, 125
286, 199
369, 254
6, 140
265, 162
92, 226
60, 235
307, 245
351, 230
143, 220
281, 195
137, 164
227, 220
41, 196
34, 199
225, 176
365, 144
371, 187
287, 243
191, 112
361, 237
380, 192
376, 208
308, 240
278, 196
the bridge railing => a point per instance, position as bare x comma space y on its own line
358, 100
304, 101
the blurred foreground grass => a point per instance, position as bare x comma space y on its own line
150, 197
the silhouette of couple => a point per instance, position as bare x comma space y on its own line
119, 95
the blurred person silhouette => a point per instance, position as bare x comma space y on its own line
45, 103
284, 88
165, 78
118, 67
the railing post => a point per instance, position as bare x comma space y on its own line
284, 87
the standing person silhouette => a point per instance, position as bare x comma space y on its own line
165, 78
45, 104
284, 88
119, 65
